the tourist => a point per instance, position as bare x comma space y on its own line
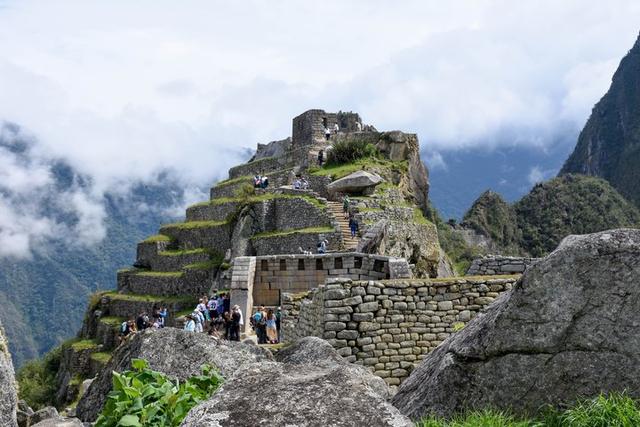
345, 205
278, 317
202, 308
327, 133
190, 325
226, 301
320, 158
127, 328
359, 126
163, 313
271, 328
220, 304
264, 182
212, 306
257, 181
227, 325
322, 246
199, 319
236, 324
336, 128
259, 323
353, 226
156, 322
297, 184
142, 321
304, 184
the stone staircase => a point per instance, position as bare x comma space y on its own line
349, 243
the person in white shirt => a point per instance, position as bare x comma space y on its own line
336, 128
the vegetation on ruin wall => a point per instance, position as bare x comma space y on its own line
245, 178
37, 379
349, 151
615, 410
143, 397
258, 198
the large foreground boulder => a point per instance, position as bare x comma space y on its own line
302, 391
8, 392
359, 182
569, 329
176, 353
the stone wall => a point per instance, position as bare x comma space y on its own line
263, 280
389, 326
299, 273
309, 127
498, 264
304, 319
290, 242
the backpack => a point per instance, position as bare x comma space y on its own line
123, 327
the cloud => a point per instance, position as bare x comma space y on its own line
125, 91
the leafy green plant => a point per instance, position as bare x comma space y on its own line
144, 397
351, 150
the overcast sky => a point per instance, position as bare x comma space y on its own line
125, 89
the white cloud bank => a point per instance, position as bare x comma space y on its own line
123, 90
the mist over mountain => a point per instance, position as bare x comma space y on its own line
61, 240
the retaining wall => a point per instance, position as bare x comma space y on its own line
498, 264
389, 326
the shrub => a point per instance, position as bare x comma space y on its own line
349, 151
37, 380
144, 397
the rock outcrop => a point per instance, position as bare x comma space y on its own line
174, 352
302, 391
8, 393
567, 330
360, 182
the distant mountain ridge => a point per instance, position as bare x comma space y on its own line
42, 299
609, 144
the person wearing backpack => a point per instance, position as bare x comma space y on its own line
190, 326
261, 325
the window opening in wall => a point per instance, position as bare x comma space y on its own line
357, 262
337, 263
283, 265
378, 266
264, 265
319, 264
300, 264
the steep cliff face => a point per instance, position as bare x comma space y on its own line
609, 144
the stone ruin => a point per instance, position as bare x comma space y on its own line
247, 241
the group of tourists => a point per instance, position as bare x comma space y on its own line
143, 321
260, 181
327, 130
215, 316
301, 183
266, 323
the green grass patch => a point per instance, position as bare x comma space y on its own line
190, 225
183, 252
84, 345
370, 164
419, 218
112, 320
232, 181
160, 273
260, 198
309, 230
151, 298
204, 265
614, 410
101, 357
157, 238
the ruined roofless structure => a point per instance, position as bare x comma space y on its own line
246, 241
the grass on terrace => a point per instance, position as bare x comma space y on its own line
160, 273
259, 198
101, 357
309, 230
151, 298
112, 320
183, 252
234, 181
191, 225
84, 345
157, 238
